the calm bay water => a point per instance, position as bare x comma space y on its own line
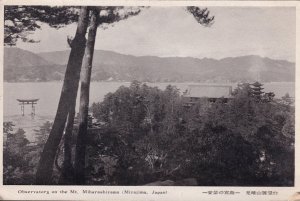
48, 94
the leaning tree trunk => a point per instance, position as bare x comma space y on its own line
67, 174
84, 100
68, 93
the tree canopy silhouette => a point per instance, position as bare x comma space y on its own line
21, 21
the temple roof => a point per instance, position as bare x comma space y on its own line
209, 91
256, 84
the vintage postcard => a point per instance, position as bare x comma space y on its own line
149, 100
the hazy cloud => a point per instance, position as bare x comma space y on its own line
171, 31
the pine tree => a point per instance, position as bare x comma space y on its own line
67, 99
21, 21
108, 15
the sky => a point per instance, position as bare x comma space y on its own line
172, 31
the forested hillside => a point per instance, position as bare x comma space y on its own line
113, 66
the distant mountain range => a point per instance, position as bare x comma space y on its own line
21, 65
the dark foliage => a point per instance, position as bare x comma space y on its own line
20, 157
242, 142
201, 15
142, 134
20, 21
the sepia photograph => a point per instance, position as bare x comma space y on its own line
124, 95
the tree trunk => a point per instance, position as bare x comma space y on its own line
67, 175
84, 100
68, 94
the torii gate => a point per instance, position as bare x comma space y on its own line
31, 102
